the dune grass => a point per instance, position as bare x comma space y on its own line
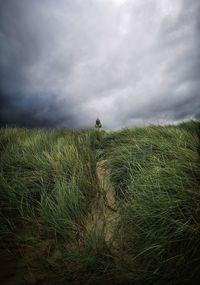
156, 174
49, 187
50, 175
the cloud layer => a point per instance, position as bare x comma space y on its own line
130, 62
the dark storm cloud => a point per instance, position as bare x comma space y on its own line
62, 63
34, 111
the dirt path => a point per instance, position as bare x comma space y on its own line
105, 212
107, 189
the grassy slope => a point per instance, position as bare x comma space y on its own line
48, 186
156, 173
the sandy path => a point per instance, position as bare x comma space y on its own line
105, 209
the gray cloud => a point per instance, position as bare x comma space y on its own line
62, 63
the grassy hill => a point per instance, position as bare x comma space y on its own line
92, 207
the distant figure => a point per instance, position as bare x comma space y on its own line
98, 124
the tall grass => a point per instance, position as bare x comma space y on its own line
50, 175
49, 186
156, 173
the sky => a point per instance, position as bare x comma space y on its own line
129, 62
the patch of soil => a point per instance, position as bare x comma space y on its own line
21, 262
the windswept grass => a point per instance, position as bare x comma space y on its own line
49, 176
49, 189
156, 174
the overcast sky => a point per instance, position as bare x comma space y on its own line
130, 62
